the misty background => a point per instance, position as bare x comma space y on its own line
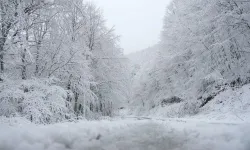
139, 22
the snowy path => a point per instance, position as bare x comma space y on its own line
127, 134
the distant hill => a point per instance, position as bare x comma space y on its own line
143, 56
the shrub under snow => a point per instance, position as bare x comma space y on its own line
40, 101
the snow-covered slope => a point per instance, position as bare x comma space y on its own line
233, 104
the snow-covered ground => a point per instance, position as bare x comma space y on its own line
127, 134
231, 105
222, 124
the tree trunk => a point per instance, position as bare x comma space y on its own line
24, 75
24, 69
76, 102
1, 60
2, 42
37, 57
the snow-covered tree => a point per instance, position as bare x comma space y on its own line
204, 47
67, 40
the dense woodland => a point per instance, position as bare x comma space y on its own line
204, 50
59, 61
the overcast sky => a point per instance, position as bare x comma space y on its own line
139, 22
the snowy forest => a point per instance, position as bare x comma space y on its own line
204, 51
58, 61
63, 69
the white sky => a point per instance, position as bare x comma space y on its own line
139, 22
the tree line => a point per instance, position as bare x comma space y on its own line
66, 40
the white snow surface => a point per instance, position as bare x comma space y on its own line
231, 105
127, 134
